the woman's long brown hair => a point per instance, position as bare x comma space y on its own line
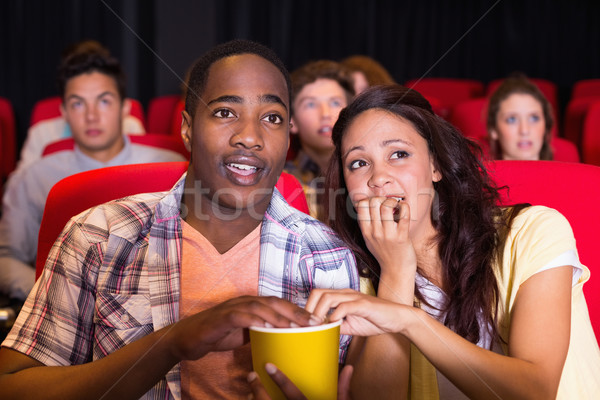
465, 212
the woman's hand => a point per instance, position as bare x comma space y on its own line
384, 223
363, 315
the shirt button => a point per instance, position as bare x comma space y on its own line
125, 318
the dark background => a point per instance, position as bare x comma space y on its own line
157, 40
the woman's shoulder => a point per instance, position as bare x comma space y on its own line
538, 215
536, 227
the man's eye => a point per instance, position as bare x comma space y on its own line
273, 119
223, 114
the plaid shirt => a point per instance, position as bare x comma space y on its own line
113, 277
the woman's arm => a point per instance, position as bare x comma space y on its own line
537, 344
381, 363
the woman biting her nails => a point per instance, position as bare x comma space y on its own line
470, 296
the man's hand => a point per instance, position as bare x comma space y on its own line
289, 389
223, 327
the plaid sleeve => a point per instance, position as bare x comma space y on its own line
55, 323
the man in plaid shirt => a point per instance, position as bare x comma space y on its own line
116, 313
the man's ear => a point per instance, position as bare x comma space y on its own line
293, 126
126, 107
186, 130
63, 111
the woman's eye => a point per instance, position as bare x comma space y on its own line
336, 103
273, 119
535, 118
223, 113
511, 120
400, 154
356, 164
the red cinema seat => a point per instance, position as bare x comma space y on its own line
575, 116
45, 109
160, 113
586, 88
176, 119
8, 138
572, 189
448, 91
591, 135
470, 117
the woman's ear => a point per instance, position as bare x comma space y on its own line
493, 134
186, 130
436, 175
293, 127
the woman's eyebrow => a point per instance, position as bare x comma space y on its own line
393, 141
351, 149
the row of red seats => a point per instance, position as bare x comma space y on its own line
470, 118
451, 91
159, 122
8, 139
583, 143
448, 92
451, 98
454, 99
164, 112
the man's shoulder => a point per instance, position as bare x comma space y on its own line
56, 161
46, 171
143, 154
124, 217
320, 236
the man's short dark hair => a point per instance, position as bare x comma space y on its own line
88, 59
199, 73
